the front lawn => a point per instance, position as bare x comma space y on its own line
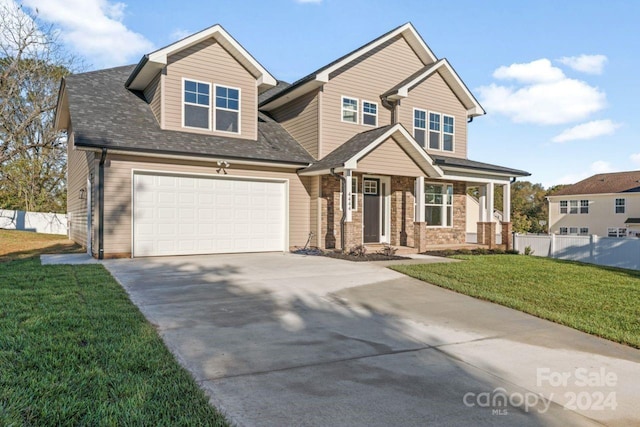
75, 351
598, 300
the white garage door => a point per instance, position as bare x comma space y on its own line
186, 215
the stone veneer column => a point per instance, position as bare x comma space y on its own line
487, 234
420, 236
507, 236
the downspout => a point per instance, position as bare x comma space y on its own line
344, 206
103, 157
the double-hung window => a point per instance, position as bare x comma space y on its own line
573, 206
420, 126
584, 231
196, 104
369, 113
434, 131
438, 205
564, 231
349, 110
620, 205
227, 109
447, 133
616, 232
354, 194
584, 206
564, 206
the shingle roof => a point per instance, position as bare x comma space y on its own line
346, 151
411, 78
106, 114
602, 183
273, 91
444, 161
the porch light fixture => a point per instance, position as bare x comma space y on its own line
223, 165
83, 194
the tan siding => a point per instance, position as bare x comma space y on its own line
209, 62
118, 196
313, 209
389, 159
433, 94
153, 96
300, 119
77, 172
367, 79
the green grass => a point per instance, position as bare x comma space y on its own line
75, 351
598, 300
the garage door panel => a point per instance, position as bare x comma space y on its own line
180, 215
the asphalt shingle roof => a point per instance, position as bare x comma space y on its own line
106, 114
477, 166
602, 183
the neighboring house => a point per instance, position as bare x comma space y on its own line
199, 149
607, 204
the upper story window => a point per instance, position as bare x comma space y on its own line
369, 113
564, 204
349, 110
420, 126
584, 206
572, 207
197, 104
227, 109
438, 205
620, 205
434, 131
447, 133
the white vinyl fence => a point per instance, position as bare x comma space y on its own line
40, 222
610, 251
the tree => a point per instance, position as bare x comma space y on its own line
32, 152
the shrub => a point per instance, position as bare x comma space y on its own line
528, 250
358, 250
388, 250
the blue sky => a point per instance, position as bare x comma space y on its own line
558, 79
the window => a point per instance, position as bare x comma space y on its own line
438, 205
573, 230
227, 109
564, 206
584, 231
620, 206
420, 126
349, 110
370, 187
354, 194
564, 231
369, 113
447, 133
584, 206
434, 131
616, 231
573, 206
196, 104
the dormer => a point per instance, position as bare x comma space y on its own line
206, 83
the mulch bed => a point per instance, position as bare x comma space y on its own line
356, 258
446, 253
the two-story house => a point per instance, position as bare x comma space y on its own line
606, 204
199, 149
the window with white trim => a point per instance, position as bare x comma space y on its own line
584, 206
584, 231
564, 231
573, 230
438, 210
616, 232
434, 131
354, 194
420, 127
620, 206
573, 206
369, 113
447, 133
564, 206
196, 104
227, 114
349, 110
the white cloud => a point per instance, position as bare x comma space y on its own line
590, 64
549, 103
635, 158
94, 29
179, 34
599, 166
589, 130
539, 71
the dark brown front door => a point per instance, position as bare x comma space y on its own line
371, 190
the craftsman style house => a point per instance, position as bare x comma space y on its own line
199, 149
606, 204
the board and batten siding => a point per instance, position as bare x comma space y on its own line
209, 62
365, 79
79, 163
300, 119
389, 159
118, 193
434, 94
153, 95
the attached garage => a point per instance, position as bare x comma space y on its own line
191, 214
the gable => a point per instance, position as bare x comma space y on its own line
390, 159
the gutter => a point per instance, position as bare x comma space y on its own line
344, 206
103, 157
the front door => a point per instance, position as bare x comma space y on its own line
372, 200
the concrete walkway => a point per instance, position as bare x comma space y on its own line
300, 340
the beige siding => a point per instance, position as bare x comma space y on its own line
366, 79
78, 165
389, 159
153, 96
433, 94
300, 119
209, 62
314, 225
118, 190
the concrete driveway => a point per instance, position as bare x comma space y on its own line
300, 340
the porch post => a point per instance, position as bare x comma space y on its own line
419, 199
482, 202
347, 190
487, 225
419, 225
507, 237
